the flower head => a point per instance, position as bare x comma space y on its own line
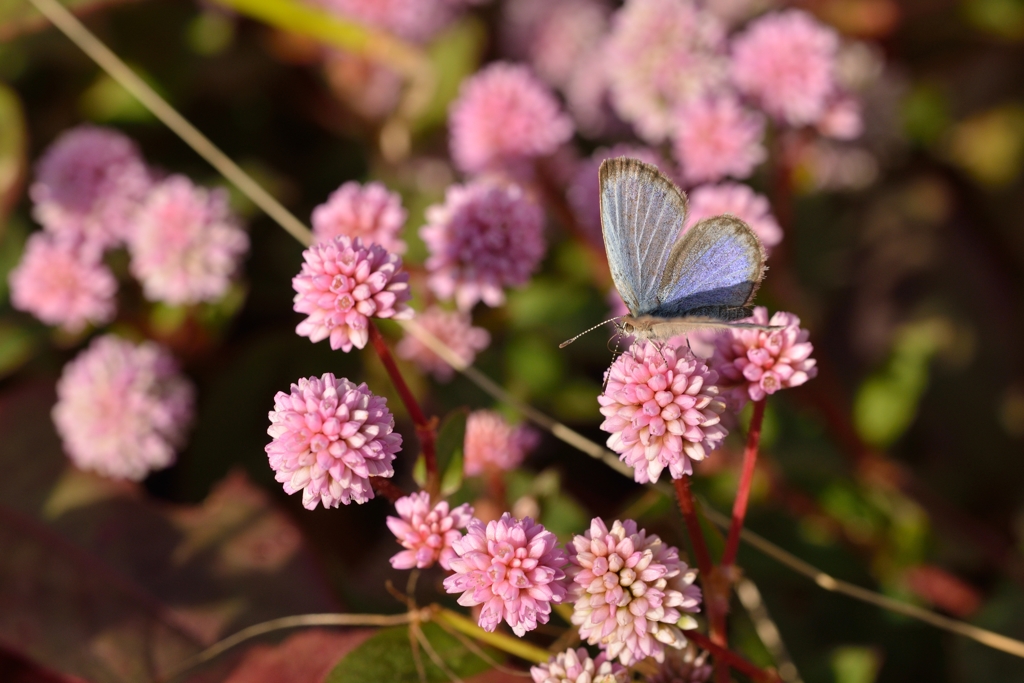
504, 116
342, 284
740, 201
662, 53
688, 665
426, 532
584, 193
122, 409
576, 666
632, 591
186, 244
369, 212
329, 437
89, 183
662, 409
513, 568
716, 137
492, 443
455, 329
786, 62
483, 238
63, 282
755, 363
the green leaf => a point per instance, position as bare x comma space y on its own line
455, 54
16, 347
388, 656
450, 438
855, 664
12, 149
453, 475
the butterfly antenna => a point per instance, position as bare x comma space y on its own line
608, 372
570, 341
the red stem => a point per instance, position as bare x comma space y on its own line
689, 510
424, 427
729, 657
739, 507
387, 489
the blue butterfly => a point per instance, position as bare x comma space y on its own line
673, 282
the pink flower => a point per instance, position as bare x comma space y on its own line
740, 201
662, 409
688, 665
455, 330
63, 282
660, 54
584, 193
632, 591
426, 533
753, 364
369, 212
483, 238
342, 284
186, 244
492, 443
842, 119
503, 117
89, 183
576, 666
416, 20
716, 137
513, 568
786, 61
122, 409
329, 437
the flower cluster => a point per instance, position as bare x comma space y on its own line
329, 437
493, 444
742, 202
186, 245
688, 665
633, 591
427, 533
716, 137
662, 409
370, 212
755, 363
122, 409
513, 568
343, 283
483, 238
455, 330
576, 666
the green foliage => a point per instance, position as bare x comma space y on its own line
454, 55
388, 656
855, 664
13, 145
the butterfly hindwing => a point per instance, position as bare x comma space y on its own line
642, 215
713, 271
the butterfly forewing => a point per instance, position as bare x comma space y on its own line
642, 215
713, 271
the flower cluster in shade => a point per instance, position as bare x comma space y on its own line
752, 364
688, 665
93, 192
370, 212
426, 532
632, 592
455, 330
662, 409
343, 283
63, 282
123, 409
576, 666
186, 245
491, 443
329, 436
740, 201
485, 237
716, 137
513, 568
786, 62
503, 117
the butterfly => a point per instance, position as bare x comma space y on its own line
673, 282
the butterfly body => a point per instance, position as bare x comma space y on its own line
674, 282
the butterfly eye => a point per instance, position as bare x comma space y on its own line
627, 328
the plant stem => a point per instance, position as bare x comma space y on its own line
513, 646
425, 429
739, 507
729, 657
689, 510
387, 489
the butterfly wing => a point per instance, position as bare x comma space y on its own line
713, 271
642, 215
